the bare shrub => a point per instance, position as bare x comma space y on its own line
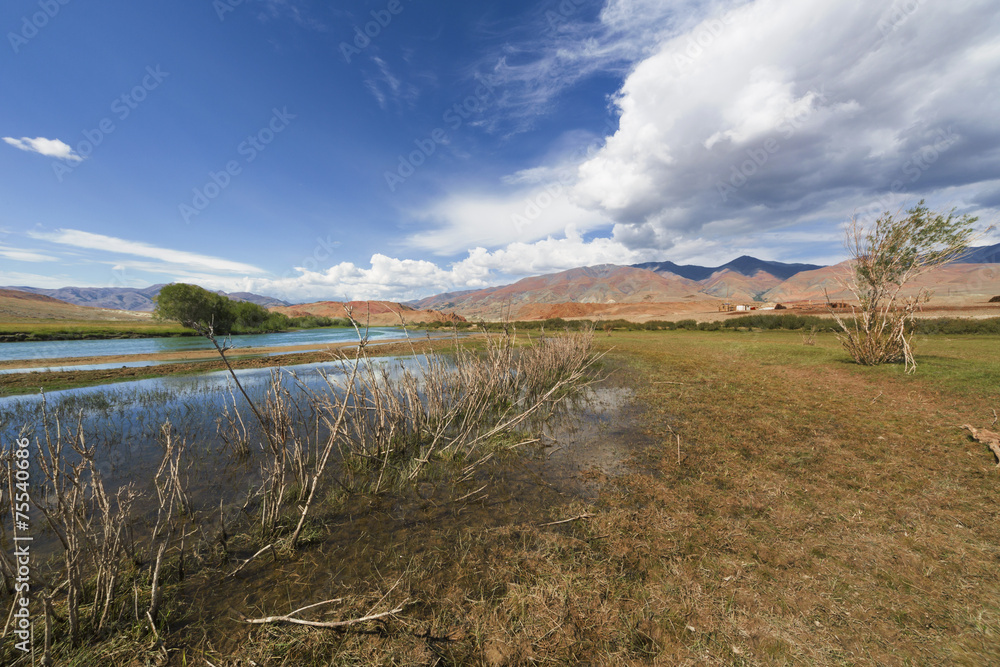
92, 525
387, 422
885, 258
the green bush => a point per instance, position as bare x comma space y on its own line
953, 326
197, 308
783, 321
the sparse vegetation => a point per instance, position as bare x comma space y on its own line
886, 257
777, 537
371, 429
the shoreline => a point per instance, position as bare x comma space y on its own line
35, 337
189, 362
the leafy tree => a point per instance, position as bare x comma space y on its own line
886, 257
200, 309
194, 307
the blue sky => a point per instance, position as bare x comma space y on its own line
396, 149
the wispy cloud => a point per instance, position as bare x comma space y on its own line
386, 86
21, 255
293, 9
177, 258
47, 147
541, 58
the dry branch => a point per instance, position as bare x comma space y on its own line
291, 618
575, 518
248, 560
988, 438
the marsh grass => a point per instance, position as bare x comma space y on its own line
370, 429
822, 513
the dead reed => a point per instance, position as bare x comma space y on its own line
369, 427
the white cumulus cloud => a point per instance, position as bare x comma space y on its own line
48, 147
779, 111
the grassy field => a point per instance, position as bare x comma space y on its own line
41, 329
821, 513
813, 512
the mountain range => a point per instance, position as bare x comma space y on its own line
744, 265
642, 291
659, 289
130, 298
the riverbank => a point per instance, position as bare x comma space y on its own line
14, 330
795, 508
783, 506
185, 362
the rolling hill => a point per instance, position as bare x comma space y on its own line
376, 313
130, 298
610, 291
642, 291
18, 305
604, 284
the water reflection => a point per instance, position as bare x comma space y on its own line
63, 349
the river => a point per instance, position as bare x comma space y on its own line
65, 349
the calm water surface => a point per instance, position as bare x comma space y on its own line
62, 349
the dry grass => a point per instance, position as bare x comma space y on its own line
376, 425
821, 513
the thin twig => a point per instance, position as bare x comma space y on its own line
247, 561
471, 493
322, 624
575, 518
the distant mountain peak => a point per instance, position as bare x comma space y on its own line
744, 265
989, 254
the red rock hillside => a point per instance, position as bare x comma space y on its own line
376, 313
